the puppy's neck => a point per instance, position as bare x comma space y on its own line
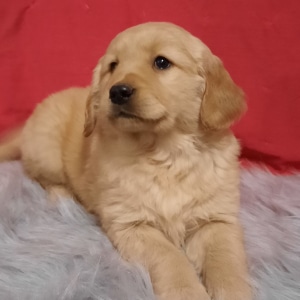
146, 144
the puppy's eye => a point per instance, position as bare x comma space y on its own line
112, 66
162, 63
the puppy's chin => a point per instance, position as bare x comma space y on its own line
131, 122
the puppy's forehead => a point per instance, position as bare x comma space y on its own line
154, 37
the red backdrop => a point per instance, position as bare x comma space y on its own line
48, 45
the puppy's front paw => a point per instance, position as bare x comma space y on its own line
185, 293
231, 289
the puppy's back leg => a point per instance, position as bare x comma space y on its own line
43, 139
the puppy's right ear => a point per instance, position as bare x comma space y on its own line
92, 105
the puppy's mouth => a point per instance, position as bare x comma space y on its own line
124, 114
128, 115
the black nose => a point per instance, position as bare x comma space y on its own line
120, 93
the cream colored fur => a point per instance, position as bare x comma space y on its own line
164, 182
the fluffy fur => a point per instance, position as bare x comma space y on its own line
161, 170
56, 251
270, 214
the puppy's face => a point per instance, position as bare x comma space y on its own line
157, 77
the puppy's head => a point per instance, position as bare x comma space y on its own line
157, 77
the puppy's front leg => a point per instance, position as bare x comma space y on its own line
217, 252
173, 277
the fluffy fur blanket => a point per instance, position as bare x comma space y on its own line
57, 251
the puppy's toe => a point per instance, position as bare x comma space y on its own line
186, 293
231, 289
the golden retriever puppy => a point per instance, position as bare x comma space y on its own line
147, 148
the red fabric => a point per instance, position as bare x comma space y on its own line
47, 45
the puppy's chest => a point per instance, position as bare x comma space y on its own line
167, 194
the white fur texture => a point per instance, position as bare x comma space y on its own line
55, 252
271, 217
52, 251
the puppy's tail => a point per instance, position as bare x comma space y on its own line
10, 145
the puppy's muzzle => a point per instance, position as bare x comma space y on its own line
120, 94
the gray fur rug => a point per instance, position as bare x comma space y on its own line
57, 251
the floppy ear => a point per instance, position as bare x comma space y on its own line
223, 101
92, 104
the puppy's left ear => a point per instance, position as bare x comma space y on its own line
223, 102
92, 105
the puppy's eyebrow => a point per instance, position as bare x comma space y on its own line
108, 59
